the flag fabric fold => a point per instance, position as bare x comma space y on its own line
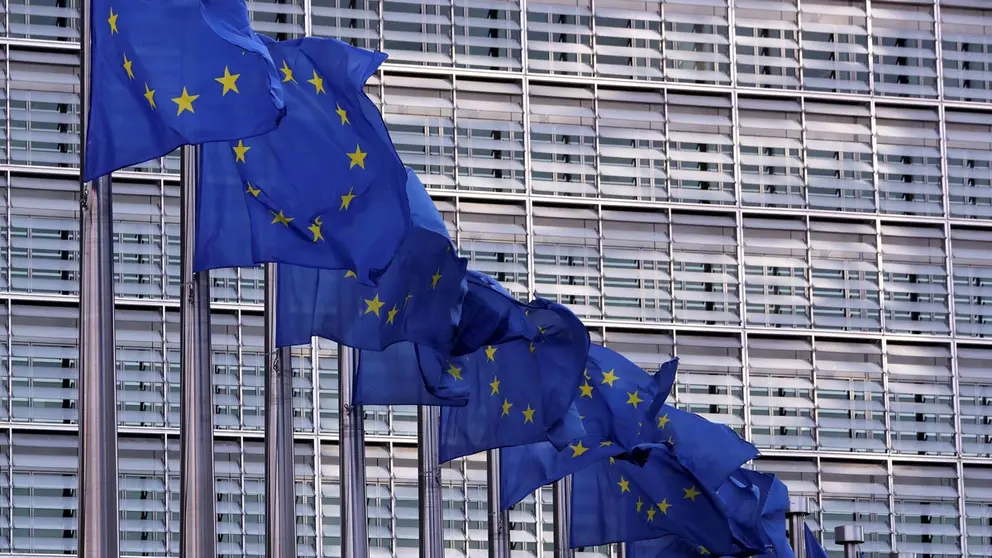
647, 494
712, 451
520, 388
757, 503
165, 74
398, 376
613, 403
418, 297
813, 547
326, 189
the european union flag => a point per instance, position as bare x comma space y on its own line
623, 501
418, 297
613, 402
326, 189
757, 503
813, 547
170, 73
396, 375
520, 390
710, 450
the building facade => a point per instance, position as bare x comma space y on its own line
792, 196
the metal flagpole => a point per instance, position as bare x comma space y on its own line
99, 533
562, 501
799, 508
849, 537
197, 516
429, 482
499, 521
354, 527
280, 496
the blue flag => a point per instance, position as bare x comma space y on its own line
612, 401
813, 548
170, 73
397, 376
418, 297
520, 389
757, 503
710, 450
326, 189
646, 497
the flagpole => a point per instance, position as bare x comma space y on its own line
429, 482
799, 508
197, 516
99, 532
562, 500
354, 527
280, 496
499, 523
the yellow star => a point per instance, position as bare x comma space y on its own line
150, 95
704, 551
691, 493
287, 74
609, 378
239, 151
640, 503
391, 315
585, 374
253, 190
112, 20
605, 444
495, 385
612, 461
406, 300
435, 278
454, 371
346, 199
127, 67
578, 449
506, 408
663, 420
343, 114
651, 513
528, 414
532, 347
357, 158
663, 506
280, 218
185, 102
634, 399
491, 354
229, 81
624, 485
318, 83
351, 274
373, 306
670, 442
585, 390
314, 229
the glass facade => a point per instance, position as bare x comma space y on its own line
793, 196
